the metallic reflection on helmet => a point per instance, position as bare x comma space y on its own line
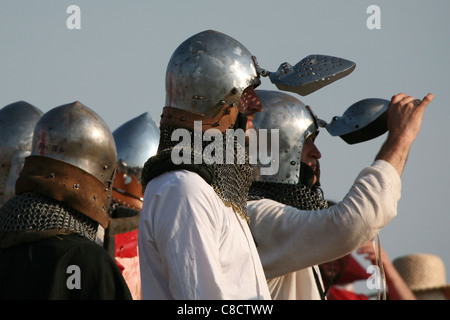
136, 141
73, 158
295, 122
311, 73
208, 71
17, 121
75, 134
362, 121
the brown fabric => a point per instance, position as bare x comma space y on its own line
127, 194
66, 183
179, 118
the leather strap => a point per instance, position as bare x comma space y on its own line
127, 194
66, 183
179, 118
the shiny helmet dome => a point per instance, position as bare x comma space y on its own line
136, 141
294, 122
73, 159
208, 71
17, 121
363, 120
75, 134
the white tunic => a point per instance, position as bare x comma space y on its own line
290, 241
191, 246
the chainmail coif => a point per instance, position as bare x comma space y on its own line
231, 182
303, 196
295, 195
31, 211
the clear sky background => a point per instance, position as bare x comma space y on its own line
115, 64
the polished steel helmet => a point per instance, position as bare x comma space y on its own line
17, 121
364, 120
293, 122
136, 141
73, 159
208, 71
75, 134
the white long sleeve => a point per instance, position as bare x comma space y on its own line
290, 239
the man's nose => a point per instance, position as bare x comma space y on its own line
316, 153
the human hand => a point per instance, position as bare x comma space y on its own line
405, 115
370, 253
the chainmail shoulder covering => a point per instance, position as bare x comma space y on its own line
31, 211
231, 182
295, 195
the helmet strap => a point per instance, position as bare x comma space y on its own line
178, 118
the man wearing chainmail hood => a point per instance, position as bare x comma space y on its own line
290, 220
48, 229
194, 238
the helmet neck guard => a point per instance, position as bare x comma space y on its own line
66, 183
179, 118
